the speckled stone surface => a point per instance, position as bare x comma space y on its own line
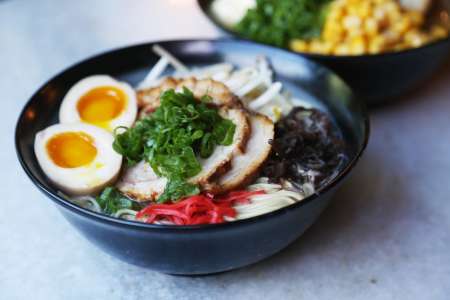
386, 235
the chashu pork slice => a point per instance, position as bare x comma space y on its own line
245, 166
149, 99
222, 155
141, 183
219, 93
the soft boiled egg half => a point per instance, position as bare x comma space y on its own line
77, 157
100, 100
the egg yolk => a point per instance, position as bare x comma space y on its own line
101, 104
71, 149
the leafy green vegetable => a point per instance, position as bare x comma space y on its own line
224, 131
177, 189
277, 22
130, 142
173, 136
111, 200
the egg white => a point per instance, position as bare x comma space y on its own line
68, 112
83, 180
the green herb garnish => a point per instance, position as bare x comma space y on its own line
277, 22
172, 137
176, 189
111, 200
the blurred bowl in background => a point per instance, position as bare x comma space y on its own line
376, 78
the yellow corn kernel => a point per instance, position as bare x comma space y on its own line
377, 45
371, 27
414, 38
364, 10
381, 17
336, 14
394, 17
331, 29
342, 49
321, 47
356, 34
358, 46
339, 4
333, 34
299, 45
352, 10
351, 22
402, 25
355, 27
391, 6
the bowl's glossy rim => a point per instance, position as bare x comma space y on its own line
141, 225
204, 4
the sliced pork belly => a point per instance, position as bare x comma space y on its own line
218, 91
141, 183
244, 167
149, 99
222, 155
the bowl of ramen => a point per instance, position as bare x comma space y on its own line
192, 157
382, 48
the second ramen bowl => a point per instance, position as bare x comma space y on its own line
376, 78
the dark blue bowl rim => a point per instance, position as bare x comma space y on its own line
144, 226
204, 5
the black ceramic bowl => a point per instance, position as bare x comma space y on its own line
376, 78
199, 249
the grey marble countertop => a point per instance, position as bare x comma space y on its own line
385, 236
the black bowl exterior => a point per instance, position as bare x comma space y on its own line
384, 77
379, 78
202, 249
199, 251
